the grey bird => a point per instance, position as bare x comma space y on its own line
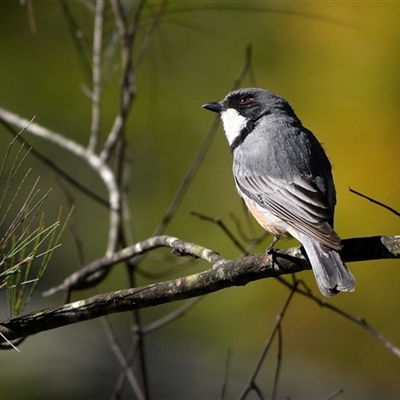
284, 176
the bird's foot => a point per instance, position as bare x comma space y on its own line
270, 249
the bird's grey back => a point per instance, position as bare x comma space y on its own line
281, 148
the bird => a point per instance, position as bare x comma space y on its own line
285, 179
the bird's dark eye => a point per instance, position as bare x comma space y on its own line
244, 100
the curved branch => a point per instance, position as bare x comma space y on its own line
100, 166
79, 280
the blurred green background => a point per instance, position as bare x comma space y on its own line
338, 64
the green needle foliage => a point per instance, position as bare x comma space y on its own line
26, 241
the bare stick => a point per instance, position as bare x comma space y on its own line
116, 347
375, 202
222, 225
251, 383
126, 371
357, 320
171, 316
226, 378
97, 75
278, 364
335, 394
202, 152
128, 85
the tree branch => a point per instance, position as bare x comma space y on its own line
96, 163
81, 279
97, 75
127, 34
224, 274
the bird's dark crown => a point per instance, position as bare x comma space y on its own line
253, 103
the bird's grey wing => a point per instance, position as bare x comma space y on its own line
301, 204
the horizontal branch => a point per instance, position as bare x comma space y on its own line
222, 275
227, 274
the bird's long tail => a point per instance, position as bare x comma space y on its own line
331, 274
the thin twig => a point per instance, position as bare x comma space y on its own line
279, 317
125, 371
138, 335
226, 378
201, 154
126, 216
395, 212
117, 349
187, 179
278, 364
166, 319
357, 320
97, 75
9, 343
222, 225
257, 390
335, 394
245, 250
128, 85
179, 265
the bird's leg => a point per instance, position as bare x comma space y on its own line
270, 248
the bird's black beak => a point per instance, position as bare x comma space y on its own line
215, 106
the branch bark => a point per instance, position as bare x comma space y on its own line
223, 274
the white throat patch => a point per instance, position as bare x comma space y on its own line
233, 124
